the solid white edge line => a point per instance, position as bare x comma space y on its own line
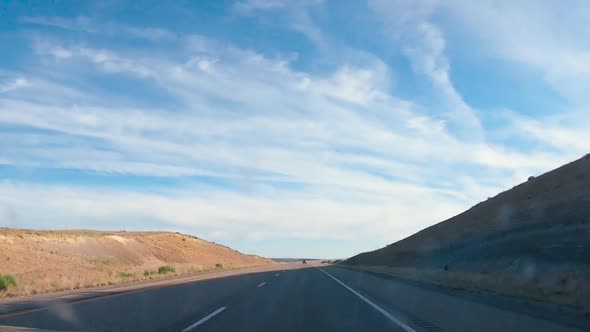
262, 284
204, 319
372, 304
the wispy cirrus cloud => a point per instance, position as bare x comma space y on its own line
246, 7
341, 130
423, 42
247, 145
558, 52
89, 25
13, 84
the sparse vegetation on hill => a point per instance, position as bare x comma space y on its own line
166, 269
530, 241
124, 275
45, 261
7, 281
149, 272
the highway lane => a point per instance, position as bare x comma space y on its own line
146, 310
290, 300
300, 299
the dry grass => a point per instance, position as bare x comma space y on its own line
46, 261
528, 242
564, 291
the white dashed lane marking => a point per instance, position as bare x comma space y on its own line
204, 319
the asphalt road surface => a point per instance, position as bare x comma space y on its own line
294, 297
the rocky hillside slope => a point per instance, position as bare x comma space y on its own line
42, 261
535, 235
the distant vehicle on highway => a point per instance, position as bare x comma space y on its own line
304, 261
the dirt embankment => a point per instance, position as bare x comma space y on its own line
532, 241
42, 261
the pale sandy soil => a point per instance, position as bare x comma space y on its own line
44, 261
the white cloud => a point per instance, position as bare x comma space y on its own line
549, 40
548, 37
87, 24
245, 7
295, 14
14, 84
254, 217
564, 132
361, 86
107, 60
320, 106
407, 23
330, 154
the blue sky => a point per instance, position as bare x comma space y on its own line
283, 128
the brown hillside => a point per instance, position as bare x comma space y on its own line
560, 198
536, 234
49, 260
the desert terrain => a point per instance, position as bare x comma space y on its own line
42, 261
532, 242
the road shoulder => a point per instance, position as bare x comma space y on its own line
465, 300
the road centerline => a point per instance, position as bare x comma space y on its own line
372, 304
262, 284
204, 319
